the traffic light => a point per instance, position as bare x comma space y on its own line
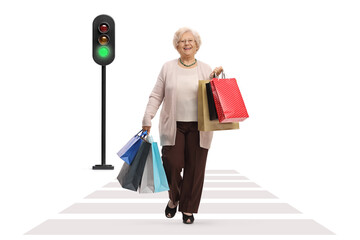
103, 54
103, 40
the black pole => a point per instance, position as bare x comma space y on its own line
103, 123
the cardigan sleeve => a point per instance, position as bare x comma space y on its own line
155, 99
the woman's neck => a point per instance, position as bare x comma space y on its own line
187, 59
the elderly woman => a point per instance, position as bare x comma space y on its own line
183, 146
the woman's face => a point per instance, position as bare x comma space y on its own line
187, 46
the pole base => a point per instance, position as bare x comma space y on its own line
103, 167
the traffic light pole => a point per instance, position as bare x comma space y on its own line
103, 124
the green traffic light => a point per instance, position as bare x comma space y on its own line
104, 52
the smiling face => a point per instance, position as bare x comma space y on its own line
187, 46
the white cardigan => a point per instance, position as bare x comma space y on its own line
164, 92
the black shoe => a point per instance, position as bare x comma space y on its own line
186, 218
170, 210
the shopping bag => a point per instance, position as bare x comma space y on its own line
147, 180
211, 103
160, 180
204, 122
229, 103
122, 174
131, 176
128, 152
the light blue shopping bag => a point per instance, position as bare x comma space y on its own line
160, 180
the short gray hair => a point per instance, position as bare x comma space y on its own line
181, 31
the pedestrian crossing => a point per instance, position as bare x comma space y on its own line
231, 204
154, 208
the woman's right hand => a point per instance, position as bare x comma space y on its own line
146, 128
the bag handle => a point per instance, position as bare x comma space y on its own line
144, 136
139, 132
143, 133
222, 75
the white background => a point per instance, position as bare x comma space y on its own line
296, 62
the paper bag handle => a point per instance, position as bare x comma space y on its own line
222, 75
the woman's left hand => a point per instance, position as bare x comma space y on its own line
217, 71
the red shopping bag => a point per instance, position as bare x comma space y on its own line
229, 103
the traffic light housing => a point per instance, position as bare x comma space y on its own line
103, 40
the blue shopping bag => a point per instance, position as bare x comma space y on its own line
160, 180
128, 152
130, 175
